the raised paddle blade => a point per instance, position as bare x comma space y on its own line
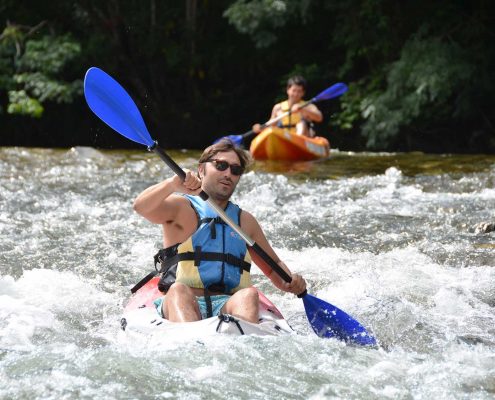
336, 90
329, 321
111, 103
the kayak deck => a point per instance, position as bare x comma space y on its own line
140, 319
279, 144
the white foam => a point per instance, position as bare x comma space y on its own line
33, 303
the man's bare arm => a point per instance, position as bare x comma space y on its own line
158, 204
253, 229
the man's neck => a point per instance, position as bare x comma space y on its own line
221, 203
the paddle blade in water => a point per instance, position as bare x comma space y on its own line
236, 139
111, 103
335, 90
328, 321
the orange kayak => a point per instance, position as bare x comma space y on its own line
279, 144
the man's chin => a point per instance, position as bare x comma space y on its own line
225, 196
221, 195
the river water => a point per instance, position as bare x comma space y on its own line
388, 238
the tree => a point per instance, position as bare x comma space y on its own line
31, 69
421, 74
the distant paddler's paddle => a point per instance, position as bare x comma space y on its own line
110, 102
336, 90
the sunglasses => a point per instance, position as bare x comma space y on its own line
221, 165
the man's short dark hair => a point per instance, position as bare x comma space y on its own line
225, 145
296, 80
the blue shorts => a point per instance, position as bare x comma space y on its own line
217, 302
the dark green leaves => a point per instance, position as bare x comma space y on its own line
32, 70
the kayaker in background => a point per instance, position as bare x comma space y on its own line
299, 119
211, 260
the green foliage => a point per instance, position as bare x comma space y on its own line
261, 18
21, 103
43, 88
311, 73
350, 104
366, 33
31, 71
10, 49
423, 85
420, 74
49, 55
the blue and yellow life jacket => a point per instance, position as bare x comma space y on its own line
214, 258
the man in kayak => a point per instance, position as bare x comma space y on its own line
212, 262
299, 118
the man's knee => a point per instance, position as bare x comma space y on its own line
179, 289
244, 304
250, 294
180, 304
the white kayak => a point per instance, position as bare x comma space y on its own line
141, 320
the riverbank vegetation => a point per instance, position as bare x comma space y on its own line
421, 74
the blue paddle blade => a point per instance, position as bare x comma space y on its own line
328, 321
111, 103
236, 139
335, 90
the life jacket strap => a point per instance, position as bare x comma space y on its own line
288, 126
199, 256
211, 222
209, 306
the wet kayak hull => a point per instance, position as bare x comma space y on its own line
279, 144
